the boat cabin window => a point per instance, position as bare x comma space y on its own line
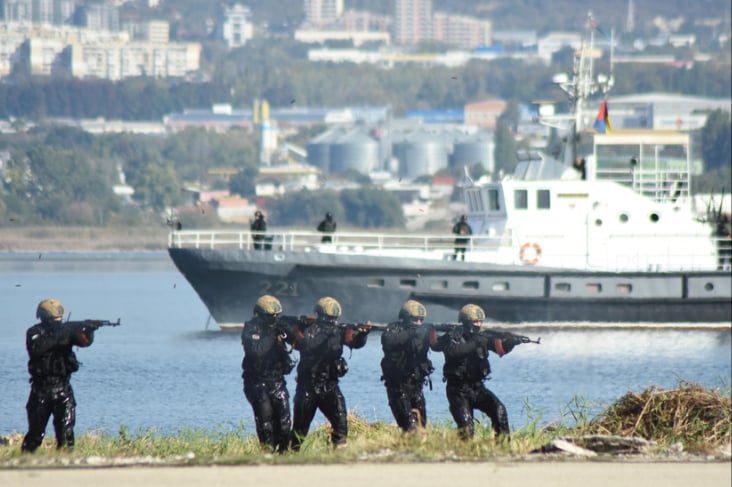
475, 203
593, 287
543, 199
624, 288
520, 199
494, 201
500, 286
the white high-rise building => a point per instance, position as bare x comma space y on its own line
236, 25
412, 21
42, 11
63, 11
320, 12
16, 10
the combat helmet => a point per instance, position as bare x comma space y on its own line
328, 307
412, 311
49, 309
471, 313
267, 305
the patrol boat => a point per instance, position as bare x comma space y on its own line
602, 233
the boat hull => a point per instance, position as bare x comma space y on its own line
373, 288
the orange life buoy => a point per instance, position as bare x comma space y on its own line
530, 253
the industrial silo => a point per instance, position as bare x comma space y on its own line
319, 148
420, 152
472, 149
356, 151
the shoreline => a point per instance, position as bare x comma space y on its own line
83, 239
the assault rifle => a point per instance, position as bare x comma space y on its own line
304, 320
93, 324
446, 327
507, 335
292, 320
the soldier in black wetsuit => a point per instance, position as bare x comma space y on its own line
321, 365
466, 367
267, 347
259, 228
405, 366
328, 227
51, 363
463, 230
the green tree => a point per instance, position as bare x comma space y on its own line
372, 208
305, 208
716, 141
242, 183
68, 186
158, 186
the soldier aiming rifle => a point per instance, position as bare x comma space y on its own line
466, 350
51, 363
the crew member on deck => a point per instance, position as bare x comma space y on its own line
581, 167
327, 226
461, 228
259, 229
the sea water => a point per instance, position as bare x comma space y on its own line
168, 367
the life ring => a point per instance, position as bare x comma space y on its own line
530, 253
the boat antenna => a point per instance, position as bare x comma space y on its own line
467, 180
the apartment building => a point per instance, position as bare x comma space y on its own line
118, 61
412, 21
157, 31
16, 10
461, 31
484, 113
235, 25
48, 50
321, 12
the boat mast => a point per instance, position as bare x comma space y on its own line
579, 88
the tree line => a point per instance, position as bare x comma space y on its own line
272, 73
66, 176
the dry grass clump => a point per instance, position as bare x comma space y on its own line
701, 419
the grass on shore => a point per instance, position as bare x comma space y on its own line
68, 239
699, 418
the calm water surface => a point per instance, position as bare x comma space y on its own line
163, 370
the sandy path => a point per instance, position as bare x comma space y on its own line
502, 474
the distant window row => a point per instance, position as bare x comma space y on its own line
504, 286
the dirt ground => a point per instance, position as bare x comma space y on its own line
493, 474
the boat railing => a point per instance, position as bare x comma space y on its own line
681, 252
293, 240
659, 186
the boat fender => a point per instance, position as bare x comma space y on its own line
530, 253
